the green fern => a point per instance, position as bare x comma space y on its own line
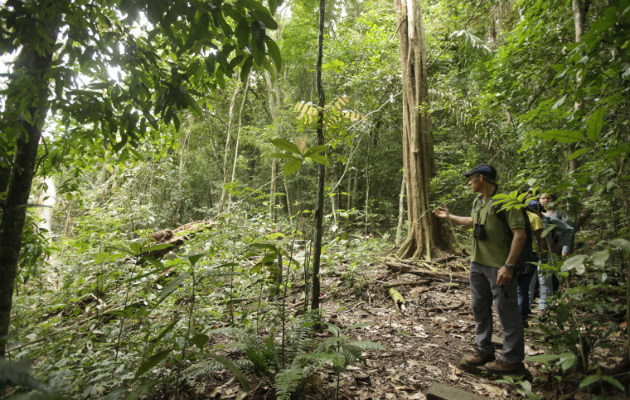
302, 352
287, 382
202, 368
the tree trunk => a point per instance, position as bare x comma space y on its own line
349, 187
401, 210
580, 8
321, 168
334, 193
180, 176
34, 66
228, 145
417, 138
275, 102
367, 187
238, 136
273, 190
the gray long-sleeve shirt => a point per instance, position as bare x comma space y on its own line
561, 235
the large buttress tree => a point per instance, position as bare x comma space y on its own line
418, 158
66, 52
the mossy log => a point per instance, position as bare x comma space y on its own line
399, 300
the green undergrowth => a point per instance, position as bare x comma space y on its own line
109, 321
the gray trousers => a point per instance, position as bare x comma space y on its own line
484, 291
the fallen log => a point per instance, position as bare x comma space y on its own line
399, 300
438, 275
168, 240
423, 282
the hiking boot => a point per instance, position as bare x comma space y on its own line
503, 367
478, 358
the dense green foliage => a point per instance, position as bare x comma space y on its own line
142, 152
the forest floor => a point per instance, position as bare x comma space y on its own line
424, 343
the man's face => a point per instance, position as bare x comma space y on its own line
475, 181
545, 198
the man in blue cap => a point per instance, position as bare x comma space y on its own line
492, 277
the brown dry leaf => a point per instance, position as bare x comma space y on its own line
494, 390
454, 369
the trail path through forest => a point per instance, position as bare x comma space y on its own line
424, 343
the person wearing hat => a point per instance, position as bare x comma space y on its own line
559, 241
528, 276
492, 277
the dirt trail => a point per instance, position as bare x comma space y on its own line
424, 344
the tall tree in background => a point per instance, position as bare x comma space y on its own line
418, 158
321, 168
94, 37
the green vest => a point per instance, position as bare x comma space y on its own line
494, 250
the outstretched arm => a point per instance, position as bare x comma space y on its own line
444, 214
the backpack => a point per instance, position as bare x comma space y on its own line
526, 258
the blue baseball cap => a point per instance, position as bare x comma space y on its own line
483, 169
535, 206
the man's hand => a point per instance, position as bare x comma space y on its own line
504, 276
441, 212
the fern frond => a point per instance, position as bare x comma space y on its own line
287, 381
318, 359
259, 362
200, 369
367, 345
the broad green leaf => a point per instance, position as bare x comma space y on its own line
242, 33
562, 136
171, 287
617, 152
559, 103
263, 16
614, 382
283, 156
152, 362
358, 325
156, 247
320, 159
193, 258
266, 246
544, 358
160, 267
315, 150
274, 52
246, 69
258, 41
233, 368
589, 380
599, 258
579, 152
622, 244
568, 361
292, 166
576, 263
595, 123
547, 230
136, 248
166, 330
286, 145
200, 340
